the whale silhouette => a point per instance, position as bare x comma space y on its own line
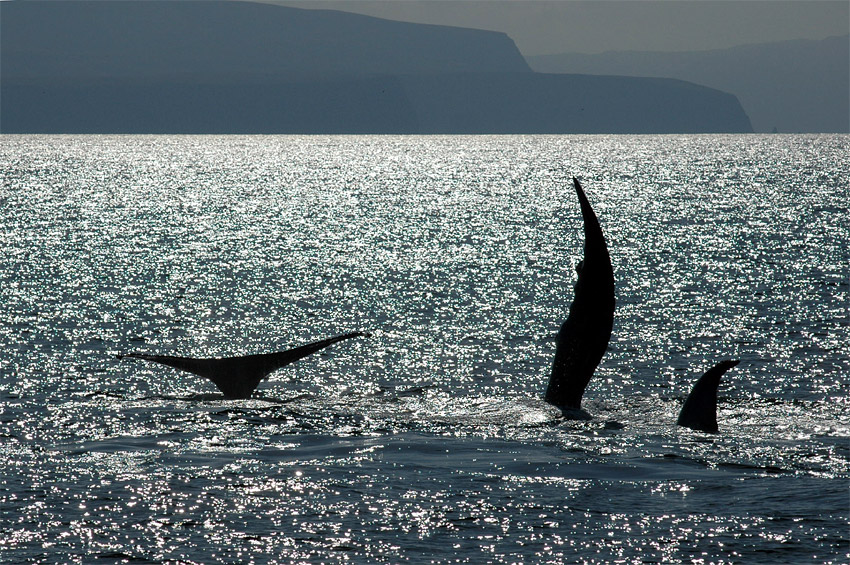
238, 377
700, 409
583, 337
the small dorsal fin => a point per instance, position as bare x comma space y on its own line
700, 409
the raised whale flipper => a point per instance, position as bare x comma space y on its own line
700, 409
238, 377
584, 336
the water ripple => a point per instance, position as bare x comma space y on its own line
428, 441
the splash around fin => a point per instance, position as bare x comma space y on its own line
700, 409
583, 337
238, 377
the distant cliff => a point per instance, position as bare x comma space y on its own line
793, 86
228, 39
561, 103
241, 67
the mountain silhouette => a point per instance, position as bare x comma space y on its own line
792, 86
244, 67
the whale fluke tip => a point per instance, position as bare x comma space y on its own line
579, 190
134, 356
700, 409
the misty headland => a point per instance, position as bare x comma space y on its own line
794, 86
241, 67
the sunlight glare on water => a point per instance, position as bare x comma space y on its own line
430, 439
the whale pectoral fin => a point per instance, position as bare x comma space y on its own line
569, 376
238, 377
583, 337
700, 409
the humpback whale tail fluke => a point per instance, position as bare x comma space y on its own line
700, 409
584, 335
238, 377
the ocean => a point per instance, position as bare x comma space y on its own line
429, 441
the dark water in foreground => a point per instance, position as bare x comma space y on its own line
428, 441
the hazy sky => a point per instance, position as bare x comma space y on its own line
593, 26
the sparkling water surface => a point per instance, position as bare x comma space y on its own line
429, 441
